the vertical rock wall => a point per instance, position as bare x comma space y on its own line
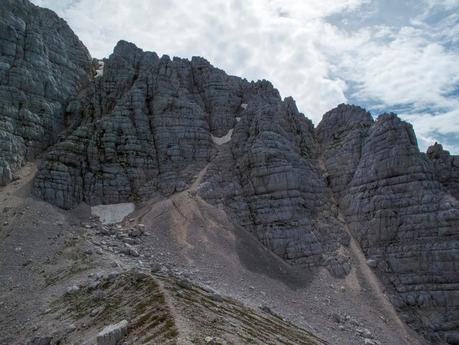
42, 64
149, 125
403, 217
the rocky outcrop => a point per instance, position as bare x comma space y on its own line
149, 124
113, 334
269, 179
446, 168
401, 215
144, 126
341, 135
42, 64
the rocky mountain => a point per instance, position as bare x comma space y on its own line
396, 207
183, 139
42, 64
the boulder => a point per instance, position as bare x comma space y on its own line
113, 334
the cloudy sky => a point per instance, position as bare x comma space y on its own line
386, 55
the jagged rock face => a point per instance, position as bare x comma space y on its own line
139, 127
341, 135
149, 124
269, 179
446, 168
406, 222
42, 63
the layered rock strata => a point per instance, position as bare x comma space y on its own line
42, 64
395, 206
149, 124
146, 125
446, 167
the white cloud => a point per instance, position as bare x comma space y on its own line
406, 70
448, 4
293, 44
430, 128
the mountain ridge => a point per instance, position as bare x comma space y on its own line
143, 127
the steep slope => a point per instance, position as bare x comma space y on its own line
42, 64
163, 310
149, 125
214, 160
400, 214
63, 272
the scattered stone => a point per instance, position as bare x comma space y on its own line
73, 289
372, 263
336, 317
354, 322
112, 335
27, 263
88, 251
216, 297
129, 250
41, 341
185, 284
155, 268
70, 328
214, 341
364, 333
266, 309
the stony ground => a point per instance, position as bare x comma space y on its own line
49, 257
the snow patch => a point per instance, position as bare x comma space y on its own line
112, 214
244, 106
224, 139
100, 69
238, 119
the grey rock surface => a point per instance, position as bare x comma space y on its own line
113, 334
136, 126
341, 135
141, 128
42, 64
269, 179
145, 127
400, 213
446, 167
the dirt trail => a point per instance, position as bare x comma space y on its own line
183, 327
200, 242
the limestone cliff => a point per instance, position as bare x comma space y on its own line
42, 64
396, 207
144, 126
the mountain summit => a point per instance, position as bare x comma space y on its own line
141, 182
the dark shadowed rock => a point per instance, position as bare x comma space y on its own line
446, 168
